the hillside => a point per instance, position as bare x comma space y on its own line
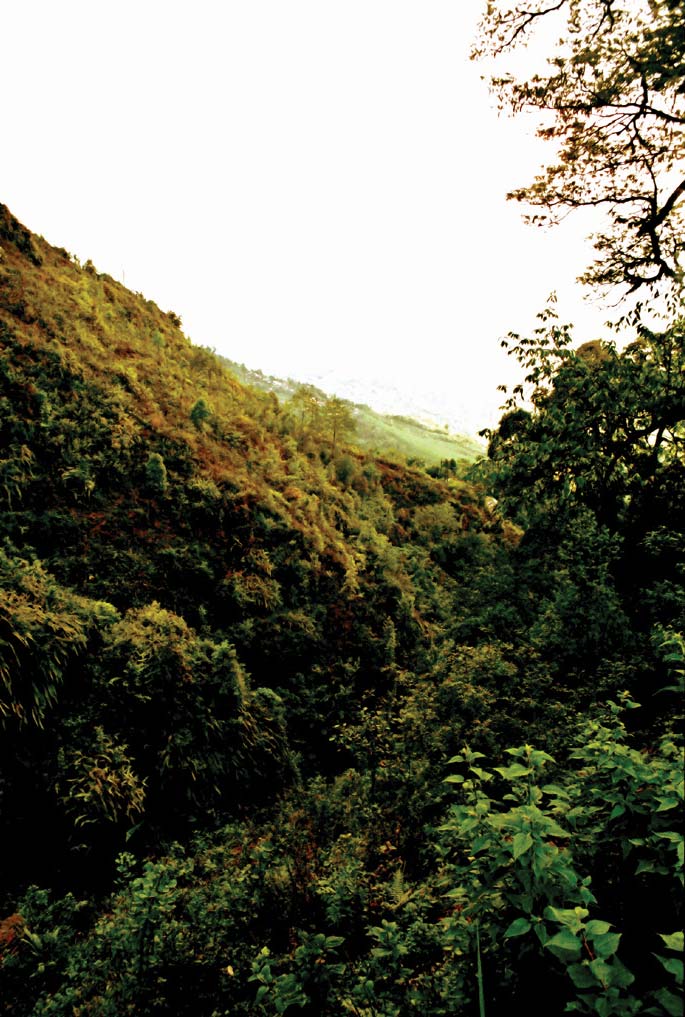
378, 432
145, 490
289, 727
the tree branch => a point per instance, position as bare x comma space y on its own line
669, 205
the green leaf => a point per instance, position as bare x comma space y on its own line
483, 841
522, 843
673, 965
672, 1004
602, 971
572, 918
673, 940
552, 829
581, 976
555, 789
537, 756
621, 976
481, 774
458, 893
596, 928
523, 902
454, 778
606, 945
542, 859
563, 943
518, 927
667, 803
514, 771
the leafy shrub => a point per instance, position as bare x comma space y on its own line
529, 866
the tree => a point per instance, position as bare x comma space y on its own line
200, 413
156, 477
338, 421
306, 404
591, 461
597, 428
317, 414
613, 104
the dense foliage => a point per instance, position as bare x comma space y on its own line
291, 728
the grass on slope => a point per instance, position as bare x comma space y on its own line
378, 432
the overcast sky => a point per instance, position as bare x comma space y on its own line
312, 185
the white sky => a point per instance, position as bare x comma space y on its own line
313, 185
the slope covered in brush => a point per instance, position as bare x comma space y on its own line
291, 728
165, 534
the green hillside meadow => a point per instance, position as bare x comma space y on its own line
294, 727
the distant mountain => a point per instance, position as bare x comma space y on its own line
388, 396
387, 419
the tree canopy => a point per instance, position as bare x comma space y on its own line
594, 426
612, 106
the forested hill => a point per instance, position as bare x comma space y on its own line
291, 728
137, 470
421, 441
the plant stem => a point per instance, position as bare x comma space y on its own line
479, 974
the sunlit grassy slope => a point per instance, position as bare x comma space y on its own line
379, 432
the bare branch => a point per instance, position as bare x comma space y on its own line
528, 18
